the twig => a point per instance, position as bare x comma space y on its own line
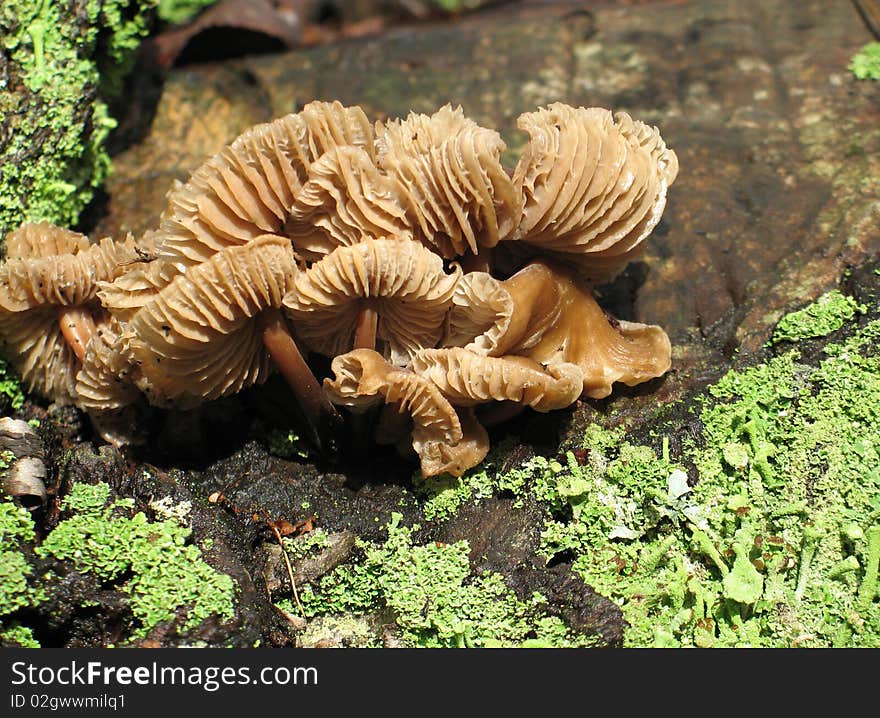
289, 569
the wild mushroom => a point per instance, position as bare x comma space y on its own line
446, 170
48, 306
392, 290
593, 187
550, 315
346, 199
212, 331
248, 189
445, 440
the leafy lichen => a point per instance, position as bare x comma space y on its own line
433, 597
16, 591
827, 314
161, 572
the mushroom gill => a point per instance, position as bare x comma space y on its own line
248, 188
48, 306
444, 440
398, 286
593, 187
345, 199
448, 173
467, 379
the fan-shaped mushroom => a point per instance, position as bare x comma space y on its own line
550, 316
248, 188
593, 187
213, 330
447, 171
346, 199
48, 286
442, 439
392, 289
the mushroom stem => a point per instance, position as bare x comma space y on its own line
365, 329
289, 361
77, 328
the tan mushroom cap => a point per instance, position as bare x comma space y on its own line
248, 188
104, 382
196, 339
447, 171
363, 378
402, 280
555, 319
480, 314
345, 199
50, 270
593, 186
467, 379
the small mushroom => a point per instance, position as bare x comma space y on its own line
467, 379
247, 190
392, 290
445, 440
48, 306
549, 315
212, 331
446, 170
345, 199
593, 187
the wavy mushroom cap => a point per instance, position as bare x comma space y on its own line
593, 186
551, 316
467, 379
248, 188
104, 382
444, 443
49, 270
447, 171
404, 282
345, 199
196, 339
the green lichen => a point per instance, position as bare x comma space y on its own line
865, 64
16, 591
827, 314
161, 572
53, 122
18, 636
288, 445
432, 595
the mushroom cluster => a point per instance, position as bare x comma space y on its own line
435, 281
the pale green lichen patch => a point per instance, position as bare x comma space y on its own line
161, 572
16, 592
827, 314
432, 595
10, 387
180, 11
865, 64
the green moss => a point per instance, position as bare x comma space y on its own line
433, 597
161, 572
56, 126
865, 64
827, 314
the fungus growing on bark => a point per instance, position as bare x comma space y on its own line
444, 440
48, 307
447, 172
390, 290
